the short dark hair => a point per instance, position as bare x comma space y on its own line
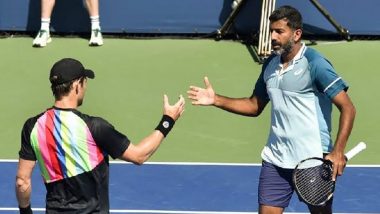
292, 15
60, 90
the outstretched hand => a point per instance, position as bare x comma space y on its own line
202, 96
176, 110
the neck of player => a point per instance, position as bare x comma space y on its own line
287, 57
70, 101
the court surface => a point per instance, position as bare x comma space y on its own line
185, 174
200, 188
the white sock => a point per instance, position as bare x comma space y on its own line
95, 22
45, 24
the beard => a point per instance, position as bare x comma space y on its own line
283, 49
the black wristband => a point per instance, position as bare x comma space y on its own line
26, 210
166, 124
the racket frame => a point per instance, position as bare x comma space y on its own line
324, 161
350, 154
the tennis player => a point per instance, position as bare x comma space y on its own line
43, 37
301, 86
72, 148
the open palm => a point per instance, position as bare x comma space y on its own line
202, 96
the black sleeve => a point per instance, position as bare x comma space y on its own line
26, 152
108, 138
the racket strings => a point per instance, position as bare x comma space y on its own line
314, 184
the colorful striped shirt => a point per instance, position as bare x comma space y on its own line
64, 145
72, 151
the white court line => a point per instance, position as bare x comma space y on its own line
182, 211
192, 163
147, 211
201, 163
168, 211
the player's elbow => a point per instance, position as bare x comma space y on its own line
134, 155
134, 159
353, 111
255, 114
256, 106
350, 111
250, 115
139, 161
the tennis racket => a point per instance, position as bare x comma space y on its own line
312, 178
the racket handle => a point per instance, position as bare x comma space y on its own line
354, 151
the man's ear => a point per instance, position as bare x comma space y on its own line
297, 35
75, 85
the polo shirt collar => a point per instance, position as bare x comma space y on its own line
300, 53
291, 64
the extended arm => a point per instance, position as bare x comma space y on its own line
141, 152
252, 106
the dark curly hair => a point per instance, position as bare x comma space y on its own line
292, 15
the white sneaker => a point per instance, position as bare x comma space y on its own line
42, 38
96, 38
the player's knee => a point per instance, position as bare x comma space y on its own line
22, 184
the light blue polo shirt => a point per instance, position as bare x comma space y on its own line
301, 98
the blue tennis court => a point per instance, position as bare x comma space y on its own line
199, 188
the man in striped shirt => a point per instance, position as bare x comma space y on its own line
72, 148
